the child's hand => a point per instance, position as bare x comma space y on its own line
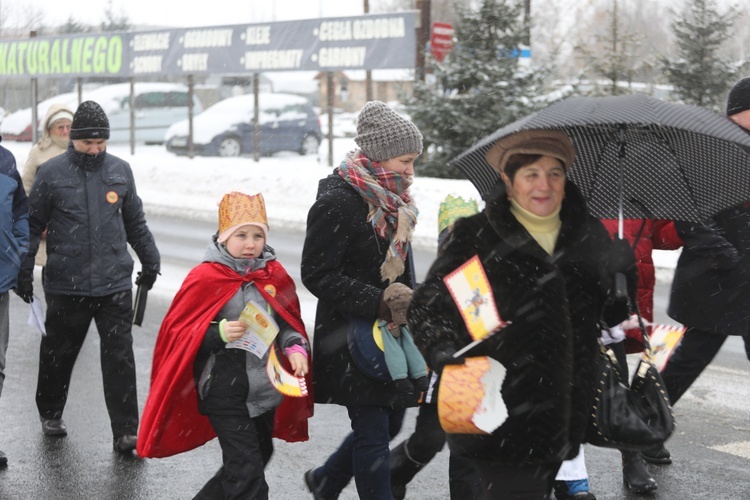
299, 364
233, 330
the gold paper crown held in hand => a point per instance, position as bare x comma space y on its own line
237, 209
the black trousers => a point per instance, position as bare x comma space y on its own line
246, 448
427, 440
530, 482
67, 323
696, 350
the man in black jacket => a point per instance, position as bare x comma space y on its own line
87, 201
711, 287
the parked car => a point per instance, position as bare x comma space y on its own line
287, 123
157, 106
17, 125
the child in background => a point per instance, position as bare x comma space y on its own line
199, 387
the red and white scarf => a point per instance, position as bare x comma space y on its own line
392, 213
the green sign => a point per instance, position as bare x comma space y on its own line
89, 55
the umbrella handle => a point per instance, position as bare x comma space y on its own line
621, 286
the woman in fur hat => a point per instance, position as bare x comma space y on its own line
549, 264
357, 244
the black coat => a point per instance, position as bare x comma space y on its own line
91, 212
554, 304
341, 262
711, 285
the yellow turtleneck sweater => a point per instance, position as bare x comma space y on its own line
543, 229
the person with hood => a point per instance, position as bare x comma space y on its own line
357, 245
14, 237
87, 201
202, 384
550, 265
710, 292
54, 142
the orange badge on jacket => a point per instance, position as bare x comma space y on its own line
112, 197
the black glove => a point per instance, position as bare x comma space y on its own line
620, 258
25, 287
146, 279
621, 265
442, 355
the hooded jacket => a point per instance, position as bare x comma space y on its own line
91, 211
234, 381
554, 304
172, 422
47, 148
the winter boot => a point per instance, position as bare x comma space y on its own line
659, 455
403, 470
573, 490
634, 474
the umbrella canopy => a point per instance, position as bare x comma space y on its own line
638, 156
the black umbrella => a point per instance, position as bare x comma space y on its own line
638, 156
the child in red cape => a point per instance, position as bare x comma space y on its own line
200, 389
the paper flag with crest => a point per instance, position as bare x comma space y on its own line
470, 289
260, 333
663, 339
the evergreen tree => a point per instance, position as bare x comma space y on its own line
698, 74
612, 55
479, 87
113, 21
72, 26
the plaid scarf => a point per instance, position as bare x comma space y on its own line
392, 213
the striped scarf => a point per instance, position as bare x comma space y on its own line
392, 213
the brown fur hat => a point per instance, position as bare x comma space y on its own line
553, 143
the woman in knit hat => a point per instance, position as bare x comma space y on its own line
54, 141
359, 231
201, 388
549, 265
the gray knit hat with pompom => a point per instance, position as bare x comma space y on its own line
383, 134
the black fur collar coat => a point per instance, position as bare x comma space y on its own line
554, 303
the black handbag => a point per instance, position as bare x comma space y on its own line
634, 418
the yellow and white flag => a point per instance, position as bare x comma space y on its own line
284, 382
470, 289
663, 340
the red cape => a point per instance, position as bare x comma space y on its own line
171, 422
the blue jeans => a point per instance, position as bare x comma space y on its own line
364, 455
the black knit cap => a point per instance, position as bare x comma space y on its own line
89, 122
739, 97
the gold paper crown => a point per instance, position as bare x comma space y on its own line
452, 209
237, 209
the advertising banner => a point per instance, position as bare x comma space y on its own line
383, 41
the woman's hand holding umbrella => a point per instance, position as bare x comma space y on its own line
620, 263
